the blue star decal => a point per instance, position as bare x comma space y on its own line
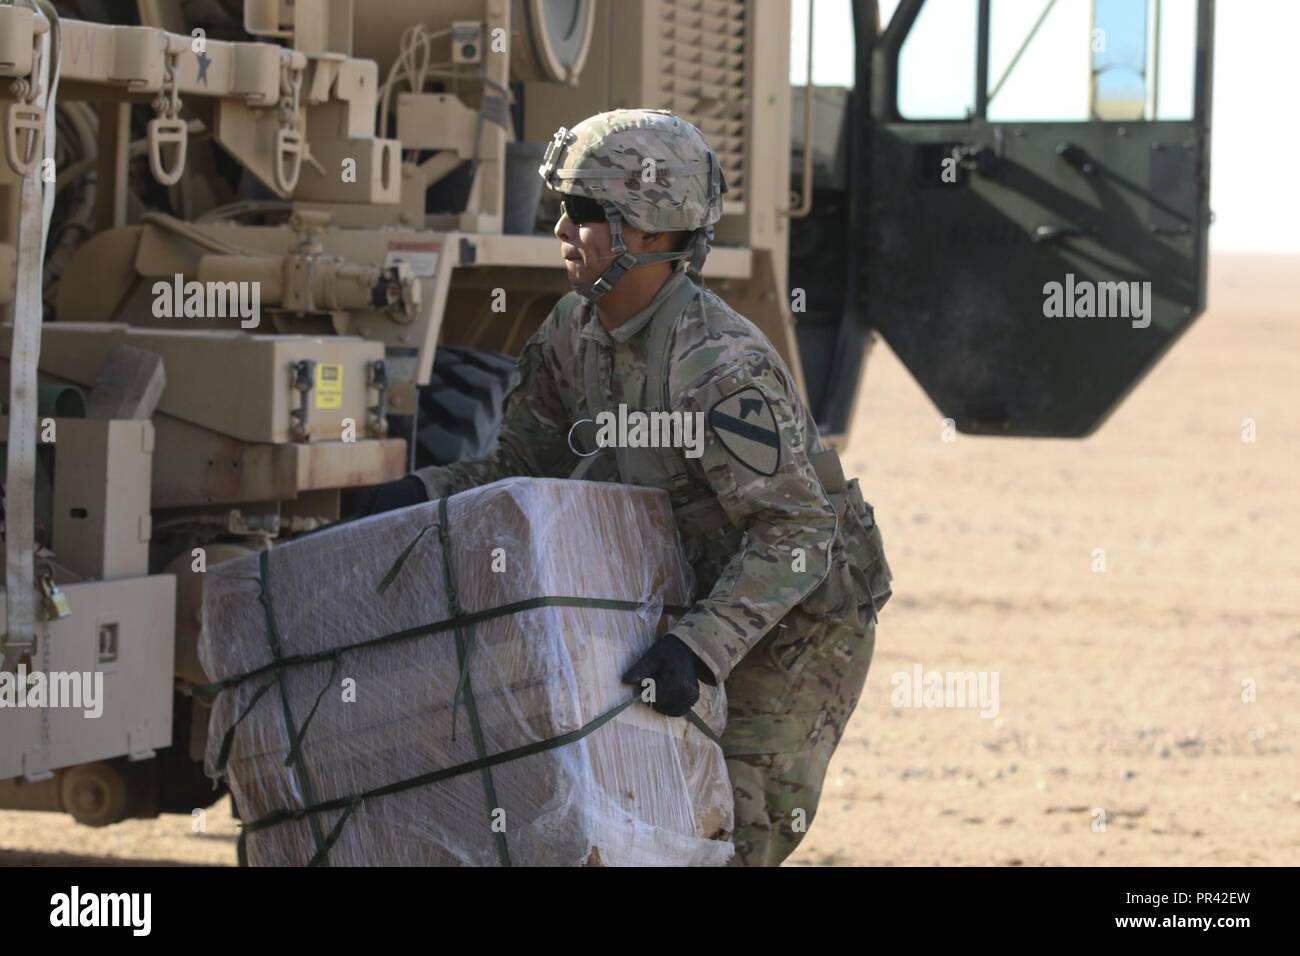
205, 61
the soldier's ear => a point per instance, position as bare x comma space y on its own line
657, 241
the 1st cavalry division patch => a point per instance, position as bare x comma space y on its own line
746, 426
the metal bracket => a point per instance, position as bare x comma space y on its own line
23, 119
304, 380
167, 128
976, 158
135, 748
1077, 157
168, 132
289, 146
290, 143
36, 765
378, 423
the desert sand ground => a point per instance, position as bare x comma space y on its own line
1125, 732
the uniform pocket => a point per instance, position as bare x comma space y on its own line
837, 597
865, 550
788, 648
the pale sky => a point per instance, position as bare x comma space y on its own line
1255, 148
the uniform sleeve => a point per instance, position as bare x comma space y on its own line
533, 440
755, 460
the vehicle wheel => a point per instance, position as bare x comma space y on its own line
96, 794
460, 408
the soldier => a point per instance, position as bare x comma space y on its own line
788, 561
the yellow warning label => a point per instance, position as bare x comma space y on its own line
329, 386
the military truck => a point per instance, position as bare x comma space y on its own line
256, 256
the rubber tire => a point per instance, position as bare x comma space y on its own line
97, 794
460, 408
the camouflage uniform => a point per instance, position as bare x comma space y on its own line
788, 560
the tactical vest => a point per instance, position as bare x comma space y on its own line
716, 536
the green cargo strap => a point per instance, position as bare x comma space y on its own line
208, 691
228, 740
396, 569
483, 763
277, 817
459, 622
295, 748
702, 727
273, 639
335, 832
464, 649
351, 803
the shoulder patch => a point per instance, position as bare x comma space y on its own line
746, 426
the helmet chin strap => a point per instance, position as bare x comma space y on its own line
604, 283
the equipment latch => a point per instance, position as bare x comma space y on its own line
25, 117
290, 144
167, 129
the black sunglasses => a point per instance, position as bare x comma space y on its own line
582, 210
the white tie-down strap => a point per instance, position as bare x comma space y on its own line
36, 207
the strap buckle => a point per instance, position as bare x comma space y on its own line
288, 158
167, 128
290, 144
24, 119
168, 132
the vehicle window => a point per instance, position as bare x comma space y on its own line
1075, 60
833, 53
1039, 54
936, 64
1174, 97
833, 77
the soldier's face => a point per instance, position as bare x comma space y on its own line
585, 248
588, 249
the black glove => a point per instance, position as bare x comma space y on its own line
375, 500
676, 672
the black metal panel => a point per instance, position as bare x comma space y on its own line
958, 276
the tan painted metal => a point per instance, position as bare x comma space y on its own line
189, 603
264, 96
236, 384
123, 630
197, 466
100, 514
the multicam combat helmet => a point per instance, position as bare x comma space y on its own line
648, 168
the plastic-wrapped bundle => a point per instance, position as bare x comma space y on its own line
399, 688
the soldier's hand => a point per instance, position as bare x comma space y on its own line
378, 499
676, 673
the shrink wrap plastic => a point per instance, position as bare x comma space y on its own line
641, 789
